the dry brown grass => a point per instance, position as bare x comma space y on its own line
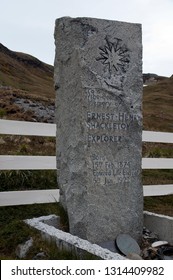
24, 72
27, 145
158, 106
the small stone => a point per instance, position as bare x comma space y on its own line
146, 231
22, 249
40, 256
2, 142
145, 254
149, 253
159, 243
152, 253
26, 140
152, 237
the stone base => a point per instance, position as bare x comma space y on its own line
48, 226
160, 224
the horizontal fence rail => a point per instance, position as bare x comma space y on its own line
28, 197
49, 162
157, 163
157, 137
27, 162
27, 128
157, 190
8, 162
50, 196
45, 129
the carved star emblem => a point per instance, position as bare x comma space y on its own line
115, 55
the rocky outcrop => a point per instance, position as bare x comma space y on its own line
43, 112
150, 78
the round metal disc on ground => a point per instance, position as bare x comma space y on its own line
126, 244
110, 245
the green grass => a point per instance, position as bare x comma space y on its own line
14, 231
27, 145
157, 150
157, 176
2, 113
159, 204
15, 180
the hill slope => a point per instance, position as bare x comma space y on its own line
25, 77
158, 106
24, 72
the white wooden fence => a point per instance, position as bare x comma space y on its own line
49, 162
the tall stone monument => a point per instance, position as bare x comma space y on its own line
98, 82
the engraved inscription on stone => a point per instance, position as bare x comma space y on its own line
110, 121
107, 172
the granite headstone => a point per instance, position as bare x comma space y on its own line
98, 82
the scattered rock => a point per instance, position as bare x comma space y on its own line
148, 250
150, 236
159, 243
25, 140
2, 142
145, 254
149, 254
42, 112
22, 249
40, 256
155, 249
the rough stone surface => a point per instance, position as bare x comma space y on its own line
22, 249
98, 82
42, 111
160, 224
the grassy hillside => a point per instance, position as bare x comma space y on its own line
27, 73
158, 106
25, 76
